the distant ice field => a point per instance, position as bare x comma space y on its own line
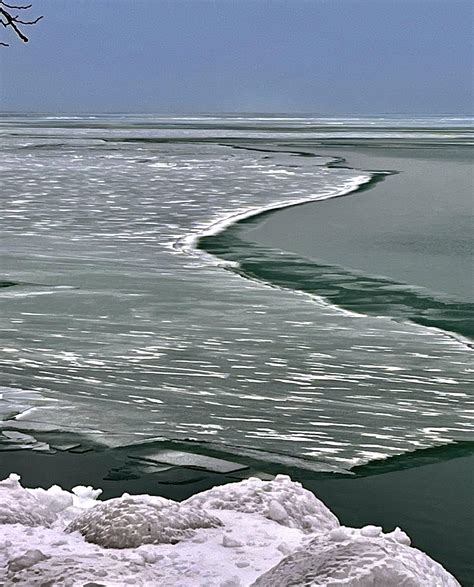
120, 322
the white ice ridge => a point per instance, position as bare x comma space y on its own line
261, 533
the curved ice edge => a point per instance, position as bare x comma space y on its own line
254, 532
189, 242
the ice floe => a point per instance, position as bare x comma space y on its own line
255, 532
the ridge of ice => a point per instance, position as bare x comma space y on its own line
261, 533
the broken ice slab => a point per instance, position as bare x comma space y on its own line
180, 476
134, 470
79, 449
188, 459
11, 446
14, 440
15, 402
63, 446
16, 436
246, 474
147, 467
17, 446
122, 473
44, 448
25, 426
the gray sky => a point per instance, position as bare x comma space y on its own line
184, 56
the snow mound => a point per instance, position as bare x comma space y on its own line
203, 560
348, 557
129, 521
19, 506
281, 500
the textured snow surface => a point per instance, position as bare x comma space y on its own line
267, 534
358, 557
128, 522
281, 500
18, 506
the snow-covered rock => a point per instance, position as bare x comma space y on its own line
27, 560
281, 500
357, 558
128, 522
75, 570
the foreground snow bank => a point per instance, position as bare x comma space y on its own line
262, 533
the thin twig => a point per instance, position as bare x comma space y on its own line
13, 20
16, 7
27, 21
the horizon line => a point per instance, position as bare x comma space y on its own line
233, 112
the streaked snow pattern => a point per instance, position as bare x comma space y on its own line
114, 325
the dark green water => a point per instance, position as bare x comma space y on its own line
416, 227
401, 246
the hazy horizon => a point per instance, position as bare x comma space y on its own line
240, 112
344, 57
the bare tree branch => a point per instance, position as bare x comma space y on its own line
18, 21
9, 19
16, 7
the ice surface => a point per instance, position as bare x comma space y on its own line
281, 500
249, 533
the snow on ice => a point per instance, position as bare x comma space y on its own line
261, 533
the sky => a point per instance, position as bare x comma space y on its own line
331, 57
